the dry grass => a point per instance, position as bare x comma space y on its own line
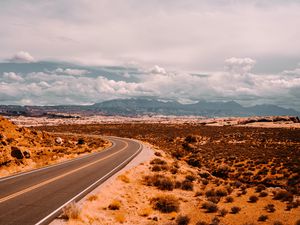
71, 211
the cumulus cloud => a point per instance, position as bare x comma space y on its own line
158, 70
239, 65
11, 76
238, 84
21, 57
76, 72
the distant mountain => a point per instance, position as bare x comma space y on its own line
134, 107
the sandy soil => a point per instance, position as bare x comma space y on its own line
129, 192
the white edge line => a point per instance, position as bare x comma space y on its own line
89, 187
54, 165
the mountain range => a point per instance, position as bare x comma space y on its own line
141, 106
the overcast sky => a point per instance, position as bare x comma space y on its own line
249, 41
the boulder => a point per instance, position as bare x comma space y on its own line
58, 140
16, 153
26, 154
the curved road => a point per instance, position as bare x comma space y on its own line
37, 197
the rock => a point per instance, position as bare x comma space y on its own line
26, 154
80, 141
16, 153
58, 140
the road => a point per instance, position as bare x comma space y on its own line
37, 197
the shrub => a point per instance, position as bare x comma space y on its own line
92, 198
223, 212
159, 181
190, 177
221, 192
71, 211
165, 203
115, 205
215, 221
270, 208
260, 188
229, 199
210, 207
182, 220
297, 222
210, 193
253, 199
263, 194
235, 209
157, 154
187, 185
190, 139
214, 199
263, 218
283, 195
158, 161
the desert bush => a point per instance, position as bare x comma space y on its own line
160, 181
205, 182
283, 195
158, 161
235, 209
158, 168
253, 199
223, 212
71, 211
165, 203
192, 161
221, 192
270, 208
263, 194
214, 199
204, 175
210, 207
260, 188
182, 220
277, 223
210, 192
114, 205
157, 154
297, 222
190, 177
190, 139
92, 198
263, 218
215, 221
229, 199
187, 185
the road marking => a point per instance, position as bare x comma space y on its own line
55, 165
60, 176
92, 185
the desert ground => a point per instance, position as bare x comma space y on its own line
233, 171
23, 149
200, 174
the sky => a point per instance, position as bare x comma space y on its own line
184, 50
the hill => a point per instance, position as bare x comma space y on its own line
136, 107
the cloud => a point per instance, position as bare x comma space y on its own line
239, 65
239, 83
187, 35
11, 76
76, 72
157, 70
21, 57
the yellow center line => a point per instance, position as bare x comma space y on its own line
59, 177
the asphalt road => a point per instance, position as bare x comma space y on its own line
37, 197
